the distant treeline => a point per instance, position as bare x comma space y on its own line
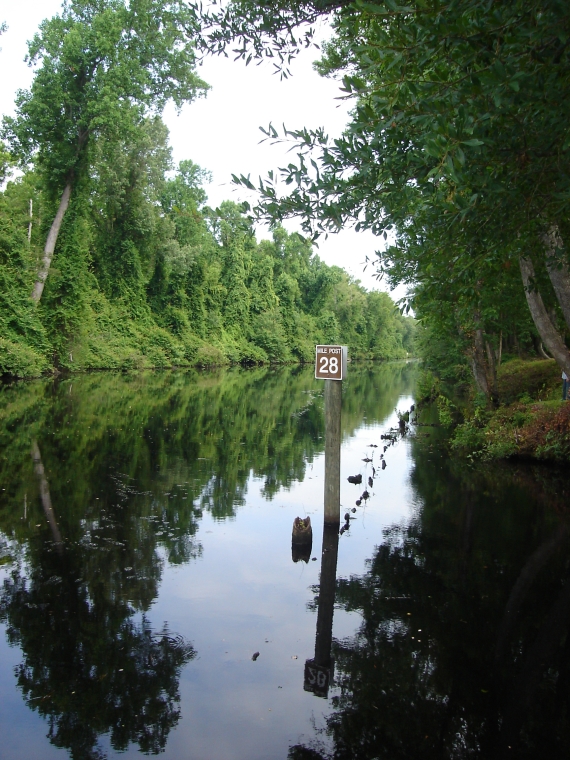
146, 275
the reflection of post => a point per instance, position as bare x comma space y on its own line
318, 671
333, 402
45, 495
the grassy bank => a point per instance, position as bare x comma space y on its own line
531, 421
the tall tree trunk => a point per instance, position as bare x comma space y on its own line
547, 331
557, 268
50, 243
45, 496
483, 364
492, 373
478, 361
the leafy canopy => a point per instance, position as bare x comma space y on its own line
103, 64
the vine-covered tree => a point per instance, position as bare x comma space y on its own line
104, 64
460, 118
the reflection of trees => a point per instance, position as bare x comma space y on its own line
464, 647
90, 667
129, 465
174, 444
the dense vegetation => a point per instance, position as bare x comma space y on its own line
110, 258
146, 275
458, 152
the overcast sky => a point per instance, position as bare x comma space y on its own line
221, 132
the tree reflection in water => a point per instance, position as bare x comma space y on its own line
120, 472
92, 665
89, 667
464, 646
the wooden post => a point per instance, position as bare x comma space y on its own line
333, 402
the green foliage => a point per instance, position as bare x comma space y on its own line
456, 146
531, 423
445, 409
529, 381
104, 63
428, 386
24, 345
145, 275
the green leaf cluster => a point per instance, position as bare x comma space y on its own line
457, 149
147, 275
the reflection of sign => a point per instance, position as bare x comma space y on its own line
330, 362
317, 678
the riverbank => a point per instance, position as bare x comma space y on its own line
531, 422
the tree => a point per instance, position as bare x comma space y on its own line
456, 112
104, 65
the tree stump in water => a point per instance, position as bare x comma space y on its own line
302, 539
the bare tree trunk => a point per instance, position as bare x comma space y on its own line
30, 222
50, 243
547, 331
478, 362
539, 348
483, 364
500, 349
45, 496
557, 268
542, 352
492, 373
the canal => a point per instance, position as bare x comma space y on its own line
151, 601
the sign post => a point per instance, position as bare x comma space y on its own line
330, 366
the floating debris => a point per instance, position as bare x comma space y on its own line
255, 656
356, 479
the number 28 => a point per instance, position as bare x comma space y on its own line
328, 364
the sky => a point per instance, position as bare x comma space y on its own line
221, 131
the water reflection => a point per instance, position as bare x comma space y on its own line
464, 645
457, 643
105, 478
319, 670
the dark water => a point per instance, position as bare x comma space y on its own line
145, 542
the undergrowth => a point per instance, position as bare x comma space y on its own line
531, 421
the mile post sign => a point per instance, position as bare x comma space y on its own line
330, 362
